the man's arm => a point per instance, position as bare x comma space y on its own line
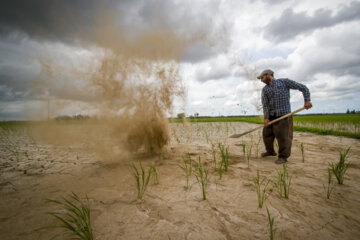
301, 87
265, 103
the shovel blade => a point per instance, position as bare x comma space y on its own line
237, 135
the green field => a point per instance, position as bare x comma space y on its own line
347, 125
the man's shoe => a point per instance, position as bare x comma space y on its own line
266, 154
281, 161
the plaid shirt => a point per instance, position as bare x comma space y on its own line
276, 99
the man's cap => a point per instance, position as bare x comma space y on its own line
266, 71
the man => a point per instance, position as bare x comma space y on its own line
275, 98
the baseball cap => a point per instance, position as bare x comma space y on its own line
266, 71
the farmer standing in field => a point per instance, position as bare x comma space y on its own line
275, 98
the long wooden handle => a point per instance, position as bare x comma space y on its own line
273, 121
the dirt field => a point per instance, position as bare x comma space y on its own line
45, 169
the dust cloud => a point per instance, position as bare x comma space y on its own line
130, 83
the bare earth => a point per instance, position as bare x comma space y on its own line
168, 211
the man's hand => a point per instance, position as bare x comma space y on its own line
307, 105
266, 122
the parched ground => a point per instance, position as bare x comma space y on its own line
33, 169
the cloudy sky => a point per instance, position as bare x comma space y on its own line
314, 42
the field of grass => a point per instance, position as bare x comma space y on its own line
347, 125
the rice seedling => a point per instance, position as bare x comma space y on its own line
271, 220
155, 175
207, 136
339, 169
221, 171
248, 153
302, 152
214, 155
188, 170
244, 150
224, 153
257, 146
202, 178
261, 193
284, 182
74, 218
142, 179
330, 186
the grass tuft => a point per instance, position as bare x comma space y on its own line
262, 194
155, 175
271, 220
339, 169
330, 186
214, 155
188, 170
248, 154
302, 152
283, 182
142, 179
74, 218
224, 153
257, 146
202, 178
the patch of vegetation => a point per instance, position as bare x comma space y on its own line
339, 169
73, 216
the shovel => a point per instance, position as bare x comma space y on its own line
273, 121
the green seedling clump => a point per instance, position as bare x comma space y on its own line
214, 155
224, 153
271, 220
257, 146
284, 182
142, 179
248, 153
302, 152
330, 186
261, 193
339, 169
155, 175
188, 170
202, 178
74, 218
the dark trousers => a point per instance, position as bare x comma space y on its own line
283, 132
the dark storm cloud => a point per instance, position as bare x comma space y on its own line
74, 21
51, 20
290, 24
